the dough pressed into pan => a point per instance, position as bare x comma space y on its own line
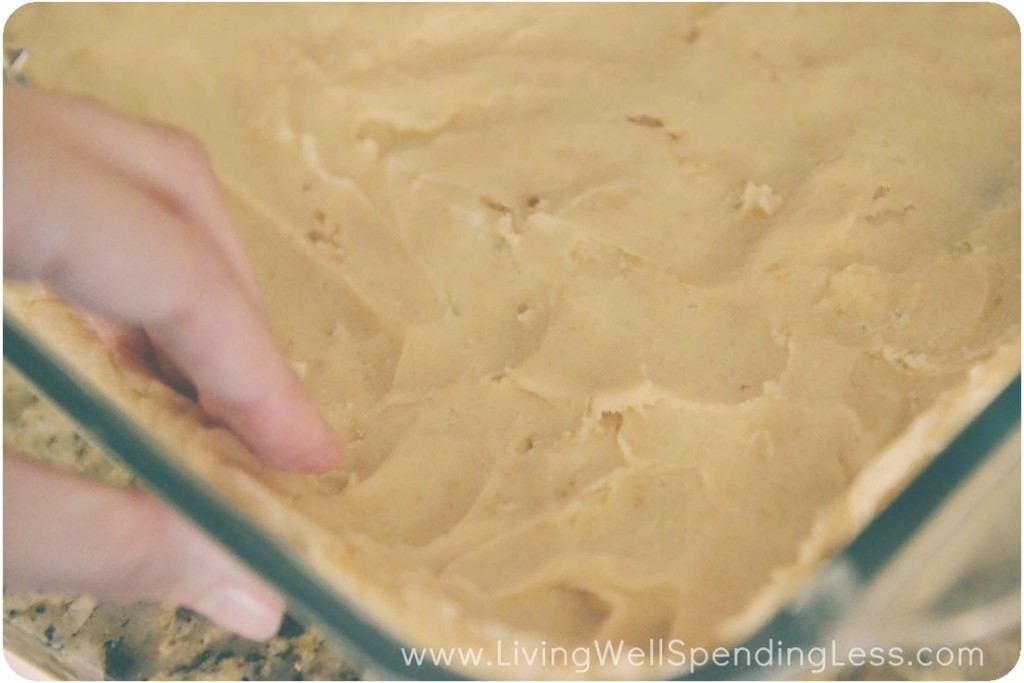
629, 314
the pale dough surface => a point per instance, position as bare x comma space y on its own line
614, 305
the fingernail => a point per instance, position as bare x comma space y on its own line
240, 611
340, 450
329, 454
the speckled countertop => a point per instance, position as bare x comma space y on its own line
73, 637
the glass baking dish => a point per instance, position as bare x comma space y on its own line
939, 565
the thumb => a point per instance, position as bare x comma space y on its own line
65, 533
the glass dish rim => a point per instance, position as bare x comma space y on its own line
804, 619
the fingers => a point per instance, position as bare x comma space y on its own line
65, 533
109, 242
171, 163
133, 343
245, 384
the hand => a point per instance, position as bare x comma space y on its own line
125, 219
66, 533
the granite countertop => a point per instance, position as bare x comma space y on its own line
74, 637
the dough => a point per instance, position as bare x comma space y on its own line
629, 314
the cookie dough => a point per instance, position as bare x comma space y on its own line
614, 305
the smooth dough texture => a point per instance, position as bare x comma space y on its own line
614, 305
